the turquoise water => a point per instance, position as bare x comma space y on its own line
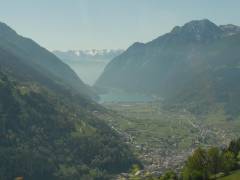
121, 96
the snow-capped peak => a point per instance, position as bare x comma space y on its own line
92, 54
95, 52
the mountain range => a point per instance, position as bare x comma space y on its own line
27, 56
195, 64
88, 64
48, 126
85, 55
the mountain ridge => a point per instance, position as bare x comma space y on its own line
41, 60
88, 64
49, 127
168, 64
91, 54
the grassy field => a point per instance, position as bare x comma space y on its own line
165, 138
234, 176
148, 124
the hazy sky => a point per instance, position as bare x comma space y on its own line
88, 24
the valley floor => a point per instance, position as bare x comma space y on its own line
164, 139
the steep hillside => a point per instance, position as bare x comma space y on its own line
217, 82
48, 126
198, 61
157, 66
40, 60
46, 137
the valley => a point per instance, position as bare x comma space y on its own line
88, 64
119, 90
163, 139
117, 95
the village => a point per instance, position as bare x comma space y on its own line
163, 140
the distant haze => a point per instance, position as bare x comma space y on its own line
88, 64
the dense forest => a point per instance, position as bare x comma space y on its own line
46, 137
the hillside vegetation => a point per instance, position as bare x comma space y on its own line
48, 126
45, 137
31, 62
233, 176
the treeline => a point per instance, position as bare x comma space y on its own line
203, 164
206, 164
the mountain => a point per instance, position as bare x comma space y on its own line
195, 63
40, 60
88, 64
44, 136
86, 55
49, 127
230, 29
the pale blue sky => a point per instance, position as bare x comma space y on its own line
88, 24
